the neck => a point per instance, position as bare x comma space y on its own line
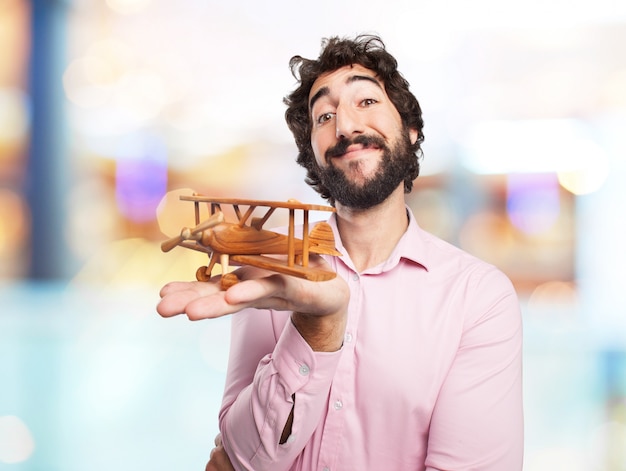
370, 235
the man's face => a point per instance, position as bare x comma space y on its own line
357, 136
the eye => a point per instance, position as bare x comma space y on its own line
325, 117
369, 102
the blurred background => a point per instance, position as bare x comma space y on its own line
111, 109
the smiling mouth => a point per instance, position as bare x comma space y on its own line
358, 144
358, 148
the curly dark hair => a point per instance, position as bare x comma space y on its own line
368, 51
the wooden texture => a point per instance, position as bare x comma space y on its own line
290, 204
268, 263
245, 242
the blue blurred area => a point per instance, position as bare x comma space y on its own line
102, 382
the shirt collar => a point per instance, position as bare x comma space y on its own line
411, 247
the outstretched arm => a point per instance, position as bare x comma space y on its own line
278, 374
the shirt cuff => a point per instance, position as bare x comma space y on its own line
299, 366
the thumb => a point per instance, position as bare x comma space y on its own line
252, 291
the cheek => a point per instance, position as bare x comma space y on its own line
389, 123
319, 146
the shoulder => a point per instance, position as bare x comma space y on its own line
445, 260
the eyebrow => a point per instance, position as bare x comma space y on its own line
353, 78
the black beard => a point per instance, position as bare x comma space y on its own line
393, 168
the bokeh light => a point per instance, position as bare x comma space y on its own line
14, 227
553, 294
591, 173
87, 82
608, 441
555, 304
16, 440
141, 177
13, 219
533, 201
140, 95
14, 40
530, 146
174, 214
13, 118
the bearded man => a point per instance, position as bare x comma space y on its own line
410, 359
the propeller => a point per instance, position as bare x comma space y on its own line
187, 234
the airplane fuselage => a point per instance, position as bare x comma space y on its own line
230, 238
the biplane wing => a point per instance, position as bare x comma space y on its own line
273, 264
245, 242
290, 204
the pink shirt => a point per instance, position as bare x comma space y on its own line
429, 376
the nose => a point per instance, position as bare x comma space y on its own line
347, 122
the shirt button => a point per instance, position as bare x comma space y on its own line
326, 468
304, 370
348, 337
355, 277
338, 405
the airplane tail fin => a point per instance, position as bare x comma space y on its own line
322, 240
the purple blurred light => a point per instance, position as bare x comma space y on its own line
141, 178
533, 204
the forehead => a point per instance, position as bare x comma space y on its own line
347, 75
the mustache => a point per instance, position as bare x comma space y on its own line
365, 140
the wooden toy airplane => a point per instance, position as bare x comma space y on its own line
245, 242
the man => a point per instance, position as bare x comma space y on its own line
410, 359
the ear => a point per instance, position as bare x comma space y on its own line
413, 134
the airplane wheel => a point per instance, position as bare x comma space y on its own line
201, 274
228, 280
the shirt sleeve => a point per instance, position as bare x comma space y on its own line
270, 364
477, 421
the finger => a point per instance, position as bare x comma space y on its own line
197, 300
210, 307
218, 439
218, 304
283, 292
170, 306
175, 302
174, 286
207, 300
251, 291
